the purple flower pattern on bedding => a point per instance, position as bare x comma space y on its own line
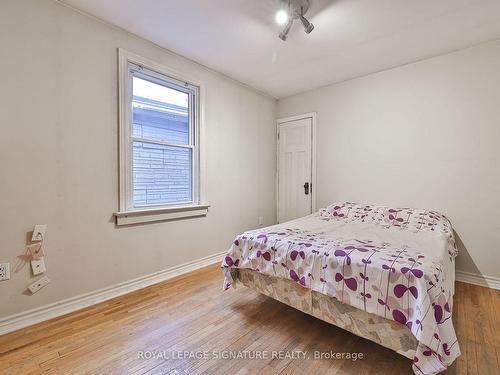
398, 282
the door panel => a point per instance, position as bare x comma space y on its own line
294, 169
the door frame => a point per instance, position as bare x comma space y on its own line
280, 121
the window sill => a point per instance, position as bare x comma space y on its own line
160, 214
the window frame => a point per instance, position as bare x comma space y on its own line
142, 72
152, 71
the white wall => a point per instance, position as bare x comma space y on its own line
424, 135
59, 150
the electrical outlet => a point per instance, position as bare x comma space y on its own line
36, 250
39, 232
4, 271
261, 220
39, 284
38, 266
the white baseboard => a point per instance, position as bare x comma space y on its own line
40, 314
53, 310
477, 279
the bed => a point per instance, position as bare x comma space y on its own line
384, 273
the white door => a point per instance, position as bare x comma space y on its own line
295, 162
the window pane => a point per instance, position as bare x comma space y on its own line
159, 112
161, 174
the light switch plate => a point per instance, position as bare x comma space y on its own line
39, 232
4, 271
36, 250
38, 266
39, 284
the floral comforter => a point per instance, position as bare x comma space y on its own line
394, 262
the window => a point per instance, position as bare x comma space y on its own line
159, 142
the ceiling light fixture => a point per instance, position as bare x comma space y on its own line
281, 17
284, 34
291, 10
308, 26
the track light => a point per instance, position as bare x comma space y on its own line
284, 34
281, 17
291, 10
308, 26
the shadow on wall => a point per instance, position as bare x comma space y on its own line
465, 262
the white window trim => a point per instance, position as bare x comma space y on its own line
127, 215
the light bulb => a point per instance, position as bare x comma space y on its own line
281, 17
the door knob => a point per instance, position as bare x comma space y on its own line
306, 188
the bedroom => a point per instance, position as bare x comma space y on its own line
166, 150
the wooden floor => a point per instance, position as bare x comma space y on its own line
191, 313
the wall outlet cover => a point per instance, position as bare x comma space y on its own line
36, 250
39, 232
4, 271
38, 266
39, 284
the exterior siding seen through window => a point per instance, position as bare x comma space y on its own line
161, 174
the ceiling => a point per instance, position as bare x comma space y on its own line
239, 38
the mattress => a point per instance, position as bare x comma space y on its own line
396, 263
